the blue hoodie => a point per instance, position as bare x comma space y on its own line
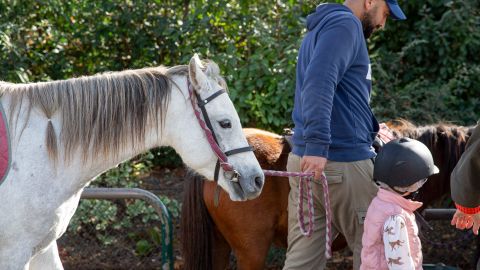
331, 113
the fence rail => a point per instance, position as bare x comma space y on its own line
438, 214
154, 201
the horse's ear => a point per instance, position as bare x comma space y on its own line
198, 78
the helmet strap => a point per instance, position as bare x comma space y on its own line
397, 191
412, 195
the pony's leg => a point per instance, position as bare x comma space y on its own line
252, 258
221, 251
49, 259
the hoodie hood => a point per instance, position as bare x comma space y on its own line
321, 11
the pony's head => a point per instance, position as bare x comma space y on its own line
207, 89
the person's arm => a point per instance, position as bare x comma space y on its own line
465, 185
333, 54
396, 245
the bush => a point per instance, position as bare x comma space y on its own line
427, 68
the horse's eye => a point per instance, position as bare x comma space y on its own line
225, 124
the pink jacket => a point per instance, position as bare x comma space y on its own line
383, 206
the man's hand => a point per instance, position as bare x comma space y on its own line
313, 164
466, 221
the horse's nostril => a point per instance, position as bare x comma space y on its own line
258, 182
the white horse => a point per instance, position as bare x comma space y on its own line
64, 133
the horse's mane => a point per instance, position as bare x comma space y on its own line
430, 134
267, 146
100, 113
446, 142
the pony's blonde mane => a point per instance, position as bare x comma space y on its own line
99, 113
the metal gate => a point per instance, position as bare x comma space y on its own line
154, 201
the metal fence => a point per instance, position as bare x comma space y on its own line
438, 213
120, 249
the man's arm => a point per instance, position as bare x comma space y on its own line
465, 186
334, 52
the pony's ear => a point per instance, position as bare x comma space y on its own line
198, 78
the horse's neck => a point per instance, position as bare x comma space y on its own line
27, 137
157, 134
179, 130
153, 138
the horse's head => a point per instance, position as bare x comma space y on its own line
211, 110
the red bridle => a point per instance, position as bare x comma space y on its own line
207, 127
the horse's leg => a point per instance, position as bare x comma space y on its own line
49, 259
339, 243
253, 256
221, 251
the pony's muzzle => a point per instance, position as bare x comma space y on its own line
252, 186
247, 186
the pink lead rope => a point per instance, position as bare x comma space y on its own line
306, 180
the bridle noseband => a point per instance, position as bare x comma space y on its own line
207, 127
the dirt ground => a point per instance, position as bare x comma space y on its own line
451, 247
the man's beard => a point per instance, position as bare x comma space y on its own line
367, 24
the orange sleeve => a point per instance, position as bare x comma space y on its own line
468, 211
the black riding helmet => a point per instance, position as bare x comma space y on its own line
402, 162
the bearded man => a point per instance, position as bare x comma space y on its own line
334, 124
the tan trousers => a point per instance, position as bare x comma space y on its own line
351, 190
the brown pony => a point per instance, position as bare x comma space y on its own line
249, 228
207, 240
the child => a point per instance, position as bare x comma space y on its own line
390, 238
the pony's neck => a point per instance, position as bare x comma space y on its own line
177, 116
97, 165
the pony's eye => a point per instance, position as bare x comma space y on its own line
225, 124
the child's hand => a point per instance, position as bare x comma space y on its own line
464, 221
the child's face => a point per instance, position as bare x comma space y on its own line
415, 186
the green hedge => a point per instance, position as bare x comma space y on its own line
428, 68
425, 68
